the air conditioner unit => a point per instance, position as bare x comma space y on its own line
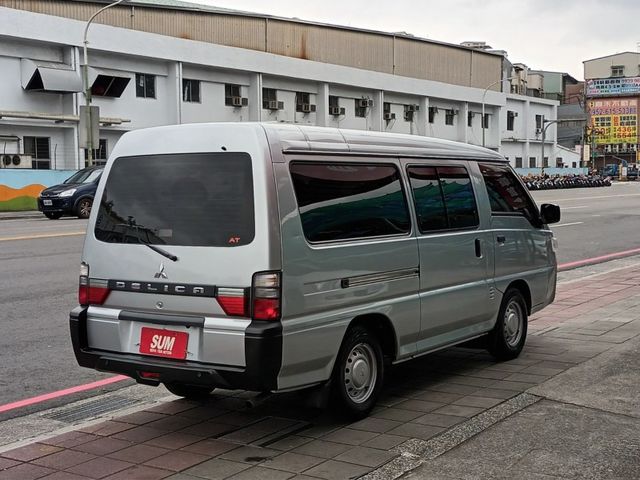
16, 161
306, 108
365, 103
273, 105
408, 115
336, 111
389, 116
411, 108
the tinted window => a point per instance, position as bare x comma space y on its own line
443, 198
344, 201
428, 199
191, 199
506, 193
84, 176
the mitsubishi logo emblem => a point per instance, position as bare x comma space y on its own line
160, 273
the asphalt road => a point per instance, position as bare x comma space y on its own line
39, 276
595, 221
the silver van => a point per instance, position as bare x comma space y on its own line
273, 257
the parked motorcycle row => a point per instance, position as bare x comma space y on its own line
550, 182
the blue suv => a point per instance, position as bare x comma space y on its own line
72, 197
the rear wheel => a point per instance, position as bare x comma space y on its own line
358, 373
192, 392
507, 338
53, 215
83, 210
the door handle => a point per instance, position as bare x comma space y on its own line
478, 248
501, 239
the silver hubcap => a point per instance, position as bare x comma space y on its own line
85, 208
360, 373
513, 321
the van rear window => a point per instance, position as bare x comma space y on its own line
201, 199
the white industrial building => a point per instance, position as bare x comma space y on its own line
145, 71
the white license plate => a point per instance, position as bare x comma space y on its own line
48, 203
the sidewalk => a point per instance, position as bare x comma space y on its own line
20, 215
568, 407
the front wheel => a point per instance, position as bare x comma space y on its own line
358, 373
507, 338
191, 392
83, 210
53, 215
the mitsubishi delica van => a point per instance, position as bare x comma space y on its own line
272, 257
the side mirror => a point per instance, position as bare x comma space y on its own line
549, 213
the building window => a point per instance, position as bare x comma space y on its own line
485, 121
270, 99
545, 162
510, 120
470, 119
145, 85
532, 162
361, 106
233, 96
109, 86
617, 71
448, 117
539, 122
191, 91
303, 103
559, 162
100, 154
518, 162
40, 151
334, 106
432, 114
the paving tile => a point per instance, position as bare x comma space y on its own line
376, 425
172, 408
103, 446
322, 448
438, 420
177, 460
8, 463
210, 447
414, 430
289, 443
419, 405
334, 470
439, 397
173, 423
70, 439
31, 452
208, 429
139, 434
367, 457
99, 467
349, 436
261, 473
216, 469
141, 472
397, 414
183, 476
509, 385
495, 393
63, 459
476, 401
293, 462
138, 453
64, 476
249, 454
142, 417
454, 388
25, 471
174, 440
459, 410
203, 413
385, 441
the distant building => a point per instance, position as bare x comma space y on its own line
612, 94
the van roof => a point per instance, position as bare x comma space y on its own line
312, 139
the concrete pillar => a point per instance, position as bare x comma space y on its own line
423, 116
463, 131
375, 121
174, 89
526, 121
322, 105
255, 97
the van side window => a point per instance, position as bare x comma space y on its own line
506, 193
339, 201
443, 197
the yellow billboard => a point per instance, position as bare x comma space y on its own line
614, 121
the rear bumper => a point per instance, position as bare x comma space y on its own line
263, 352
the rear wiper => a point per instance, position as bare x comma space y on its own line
162, 252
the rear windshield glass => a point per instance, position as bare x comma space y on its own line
84, 176
203, 199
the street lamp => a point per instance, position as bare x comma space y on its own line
484, 96
85, 78
545, 124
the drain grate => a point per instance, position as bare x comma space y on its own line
90, 409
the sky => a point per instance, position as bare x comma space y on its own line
555, 35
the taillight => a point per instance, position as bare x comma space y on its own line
232, 301
265, 296
91, 291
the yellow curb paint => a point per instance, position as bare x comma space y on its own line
48, 235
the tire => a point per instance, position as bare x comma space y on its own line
83, 209
358, 373
508, 336
53, 215
192, 392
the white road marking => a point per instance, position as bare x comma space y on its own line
32, 237
572, 208
547, 200
566, 224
